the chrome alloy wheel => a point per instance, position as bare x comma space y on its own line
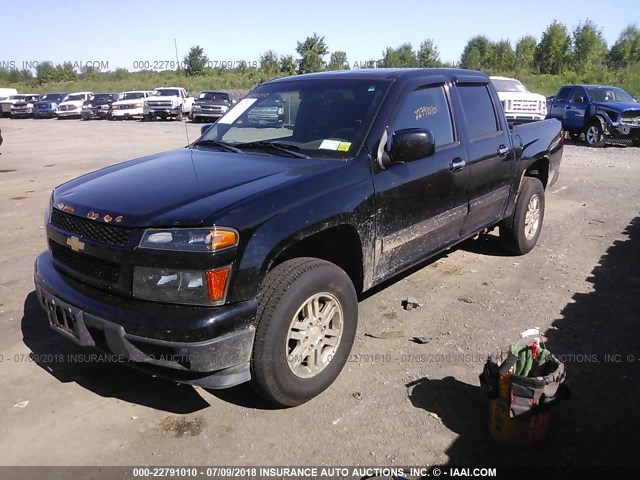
314, 335
593, 135
532, 217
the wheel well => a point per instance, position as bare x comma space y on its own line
339, 245
539, 170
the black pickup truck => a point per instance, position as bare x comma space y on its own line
241, 257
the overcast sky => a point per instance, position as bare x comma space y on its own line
121, 33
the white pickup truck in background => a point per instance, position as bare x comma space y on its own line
519, 104
167, 102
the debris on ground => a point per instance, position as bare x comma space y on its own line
386, 335
22, 404
421, 340
356, 395
465, 299
410, 303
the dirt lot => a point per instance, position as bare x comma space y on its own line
396, 402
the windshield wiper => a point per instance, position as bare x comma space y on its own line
280, 147
223, 145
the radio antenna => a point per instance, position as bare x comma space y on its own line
186, 129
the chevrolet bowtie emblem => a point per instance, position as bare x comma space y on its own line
75, 244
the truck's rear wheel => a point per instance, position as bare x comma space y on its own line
520, 231
594, 136
307, 318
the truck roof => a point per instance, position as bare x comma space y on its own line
390, 73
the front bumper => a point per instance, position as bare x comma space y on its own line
44, 113
126, 112
114, 324
208, 115
68, 113
97, 113
624, 131
162, 112
523, 117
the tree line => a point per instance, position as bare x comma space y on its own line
581, 52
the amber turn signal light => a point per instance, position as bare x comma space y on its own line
217, 283
222, 239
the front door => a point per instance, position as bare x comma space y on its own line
421, 205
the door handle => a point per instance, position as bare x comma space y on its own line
457, 164
503, 150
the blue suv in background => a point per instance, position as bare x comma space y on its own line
601, 112
47, 106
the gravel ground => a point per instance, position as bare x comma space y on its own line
396, 402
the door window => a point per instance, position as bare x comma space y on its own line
427, 108
478, 110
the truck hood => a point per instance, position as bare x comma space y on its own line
222, 103
521, 96
159, 97
180, 187
76, 103
132, 101
618, 106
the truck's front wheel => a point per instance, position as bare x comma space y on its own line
520, 231
594, 135
307, 318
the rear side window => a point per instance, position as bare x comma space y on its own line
427, 108
478, 110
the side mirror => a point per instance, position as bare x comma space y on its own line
205, 128
411, 144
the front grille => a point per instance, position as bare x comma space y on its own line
631, 117
525, 105
92, 267
161, 104
90, 229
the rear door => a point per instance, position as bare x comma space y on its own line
490, 155
421, 205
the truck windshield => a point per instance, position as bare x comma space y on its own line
505, 85
131, 95
213, 96
166, 92
314, 117
71, 98
609, 94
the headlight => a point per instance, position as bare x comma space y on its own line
197, 107
138, 105
190, 239
54, 105
181, 286
48, 211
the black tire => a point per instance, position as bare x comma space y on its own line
516, 235
594, 135
286, 289
147, 117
